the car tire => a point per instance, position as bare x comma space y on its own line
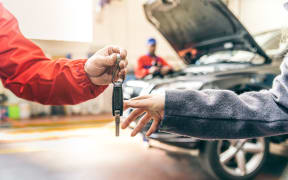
215, 155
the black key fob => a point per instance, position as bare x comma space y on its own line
117, 99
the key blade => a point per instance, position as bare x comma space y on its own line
117, 126
117, 123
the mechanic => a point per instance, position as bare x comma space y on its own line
26, 71
216, 114
151, 63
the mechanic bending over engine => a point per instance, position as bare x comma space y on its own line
216, 114
151, 63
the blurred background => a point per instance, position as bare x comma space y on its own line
76, 29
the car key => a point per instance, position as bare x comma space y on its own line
117, 97
117, 104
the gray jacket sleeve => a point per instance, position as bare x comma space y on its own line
222, 114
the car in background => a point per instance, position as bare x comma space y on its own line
221, 54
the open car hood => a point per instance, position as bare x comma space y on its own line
197, 27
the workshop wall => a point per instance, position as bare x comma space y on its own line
66, 20
123, 23
260, 15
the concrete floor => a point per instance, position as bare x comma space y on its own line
94, 153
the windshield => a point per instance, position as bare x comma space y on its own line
268, 41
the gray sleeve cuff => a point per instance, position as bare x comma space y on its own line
173, 105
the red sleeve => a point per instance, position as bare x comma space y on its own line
26, 71
140, 71
164, 63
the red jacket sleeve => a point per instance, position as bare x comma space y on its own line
140, 71
26, 71
164, 63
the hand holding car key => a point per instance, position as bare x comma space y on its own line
117, 98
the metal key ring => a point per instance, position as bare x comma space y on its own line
116, 68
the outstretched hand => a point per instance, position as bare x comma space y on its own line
151, 106
101, 65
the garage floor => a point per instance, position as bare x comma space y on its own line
92, 153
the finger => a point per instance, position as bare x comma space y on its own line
106, 60
116, 49
141, 124
122, 74
123, 53
141, 97
144, 104
133, 116
110, 49
154, 126
125, 106
122, 64
127, 102
123, 71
